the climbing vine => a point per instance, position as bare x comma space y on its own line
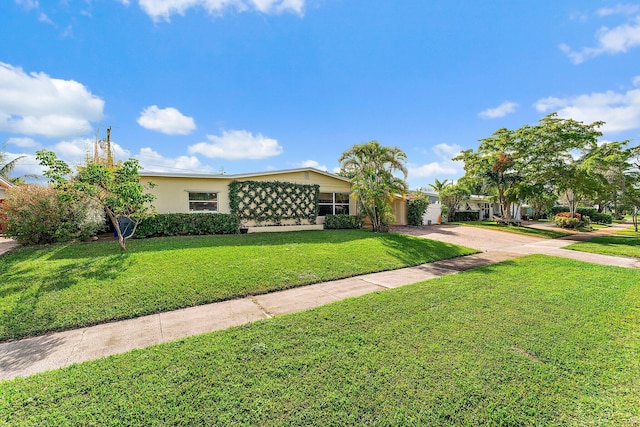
273, 201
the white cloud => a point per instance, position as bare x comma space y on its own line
152, 160
610, 40
620, 111
167, 120
23, 142
163, 9
28, 4
619, 9
443, 166
312, 164
501, 110
636, 81
237, 144
36, 104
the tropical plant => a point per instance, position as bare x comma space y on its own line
117, 189
374, 183
438, 185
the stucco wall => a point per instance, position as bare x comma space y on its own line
172, 193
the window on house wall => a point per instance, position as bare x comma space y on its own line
203, 202
333, 204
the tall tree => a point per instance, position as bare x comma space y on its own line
116, 189
374, 183
514, 163
7, 167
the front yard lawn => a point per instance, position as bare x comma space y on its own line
529, 231
534, 341
631, 231
609, 245
66, 286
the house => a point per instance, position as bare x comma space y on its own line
194, 192
4, 186
487, 209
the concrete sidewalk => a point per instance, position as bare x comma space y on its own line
55, 350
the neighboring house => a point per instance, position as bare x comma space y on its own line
488, 209
192, 192
4, 186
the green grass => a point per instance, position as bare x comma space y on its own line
66, 286
631, 231
535, 341
610, 245
529, 231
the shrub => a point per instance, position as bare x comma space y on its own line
564, 220
416, 207
335, 222
36, 215
593, 214
178, 224
466, 216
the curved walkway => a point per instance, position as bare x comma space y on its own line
55, 350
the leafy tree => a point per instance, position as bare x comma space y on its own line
453, 196
517, 163
372, 167
117, 189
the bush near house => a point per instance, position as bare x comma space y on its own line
335, 222
593, 214
564, 220
416, 207
38, 215
187, 224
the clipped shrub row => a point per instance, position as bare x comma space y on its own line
335, 222
466, 216
593, 214
180, 224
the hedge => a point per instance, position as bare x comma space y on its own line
176, 224
466, 216
335, 222
593, 214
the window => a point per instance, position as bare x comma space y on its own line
333, 204
203, 202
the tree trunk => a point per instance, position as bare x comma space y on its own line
116, 226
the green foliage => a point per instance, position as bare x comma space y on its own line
374, 184
593, 214
416, 207
567, 221
181, 224
69, 286
451, 197
273, 201
39, 215
465, 216
536, 341
117, 189
345, 222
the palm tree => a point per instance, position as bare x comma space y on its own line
372, 167
7, 168
438, 185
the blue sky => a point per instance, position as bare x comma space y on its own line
252, 85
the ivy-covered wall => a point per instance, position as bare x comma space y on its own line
271, 202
